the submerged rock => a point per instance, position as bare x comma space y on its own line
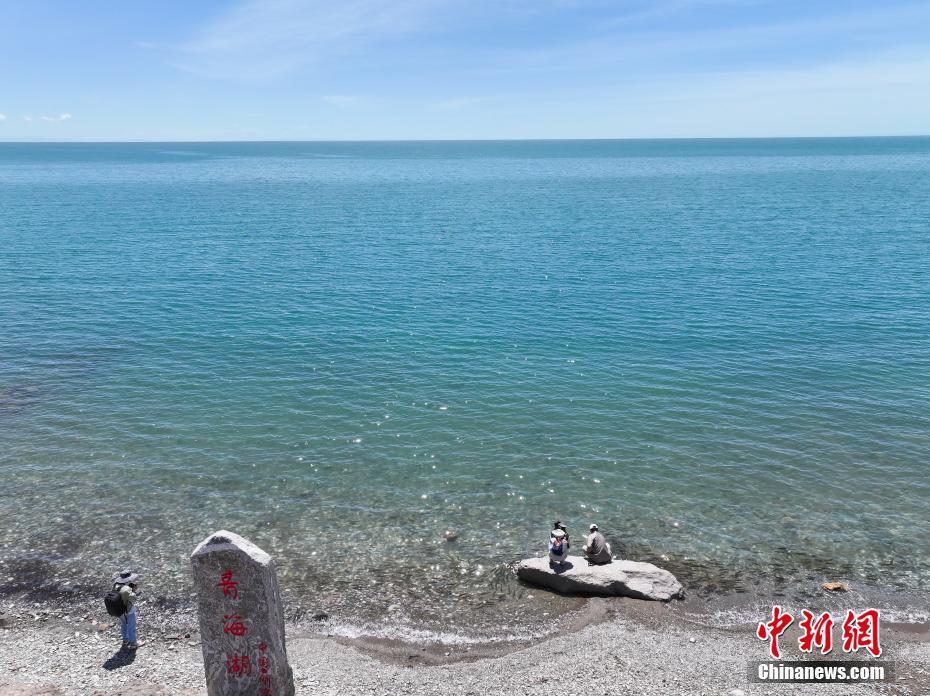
624, 578
835, 586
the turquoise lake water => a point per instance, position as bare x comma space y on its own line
717, 350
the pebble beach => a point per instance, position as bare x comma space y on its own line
616, 646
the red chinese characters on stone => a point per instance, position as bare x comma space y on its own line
239, 665
263, 664
861, 631
816, 633
229, 586
771, 630
233, 625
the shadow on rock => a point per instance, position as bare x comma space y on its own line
121, 658
559, 568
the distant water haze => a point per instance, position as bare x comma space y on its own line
717, 350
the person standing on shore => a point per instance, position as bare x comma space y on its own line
124, 596
596, 548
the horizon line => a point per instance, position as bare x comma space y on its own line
28, 141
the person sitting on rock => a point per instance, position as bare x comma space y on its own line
596, 548
558, 525
558, 548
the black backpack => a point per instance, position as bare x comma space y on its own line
114, 603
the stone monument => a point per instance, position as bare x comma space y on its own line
241, 618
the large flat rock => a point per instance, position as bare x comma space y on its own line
624, 578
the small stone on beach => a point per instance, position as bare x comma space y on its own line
835, 586
449, 535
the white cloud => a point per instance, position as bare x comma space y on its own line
54, 119
2, 117
264, 38
667, 50
879, 94
27, 119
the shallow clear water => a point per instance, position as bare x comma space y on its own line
718, 350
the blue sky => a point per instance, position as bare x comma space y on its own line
428, 69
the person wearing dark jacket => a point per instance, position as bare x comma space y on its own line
126, 583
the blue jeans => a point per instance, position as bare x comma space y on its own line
128, 626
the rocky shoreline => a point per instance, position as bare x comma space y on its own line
638, 647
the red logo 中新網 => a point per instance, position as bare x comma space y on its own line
860, 631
